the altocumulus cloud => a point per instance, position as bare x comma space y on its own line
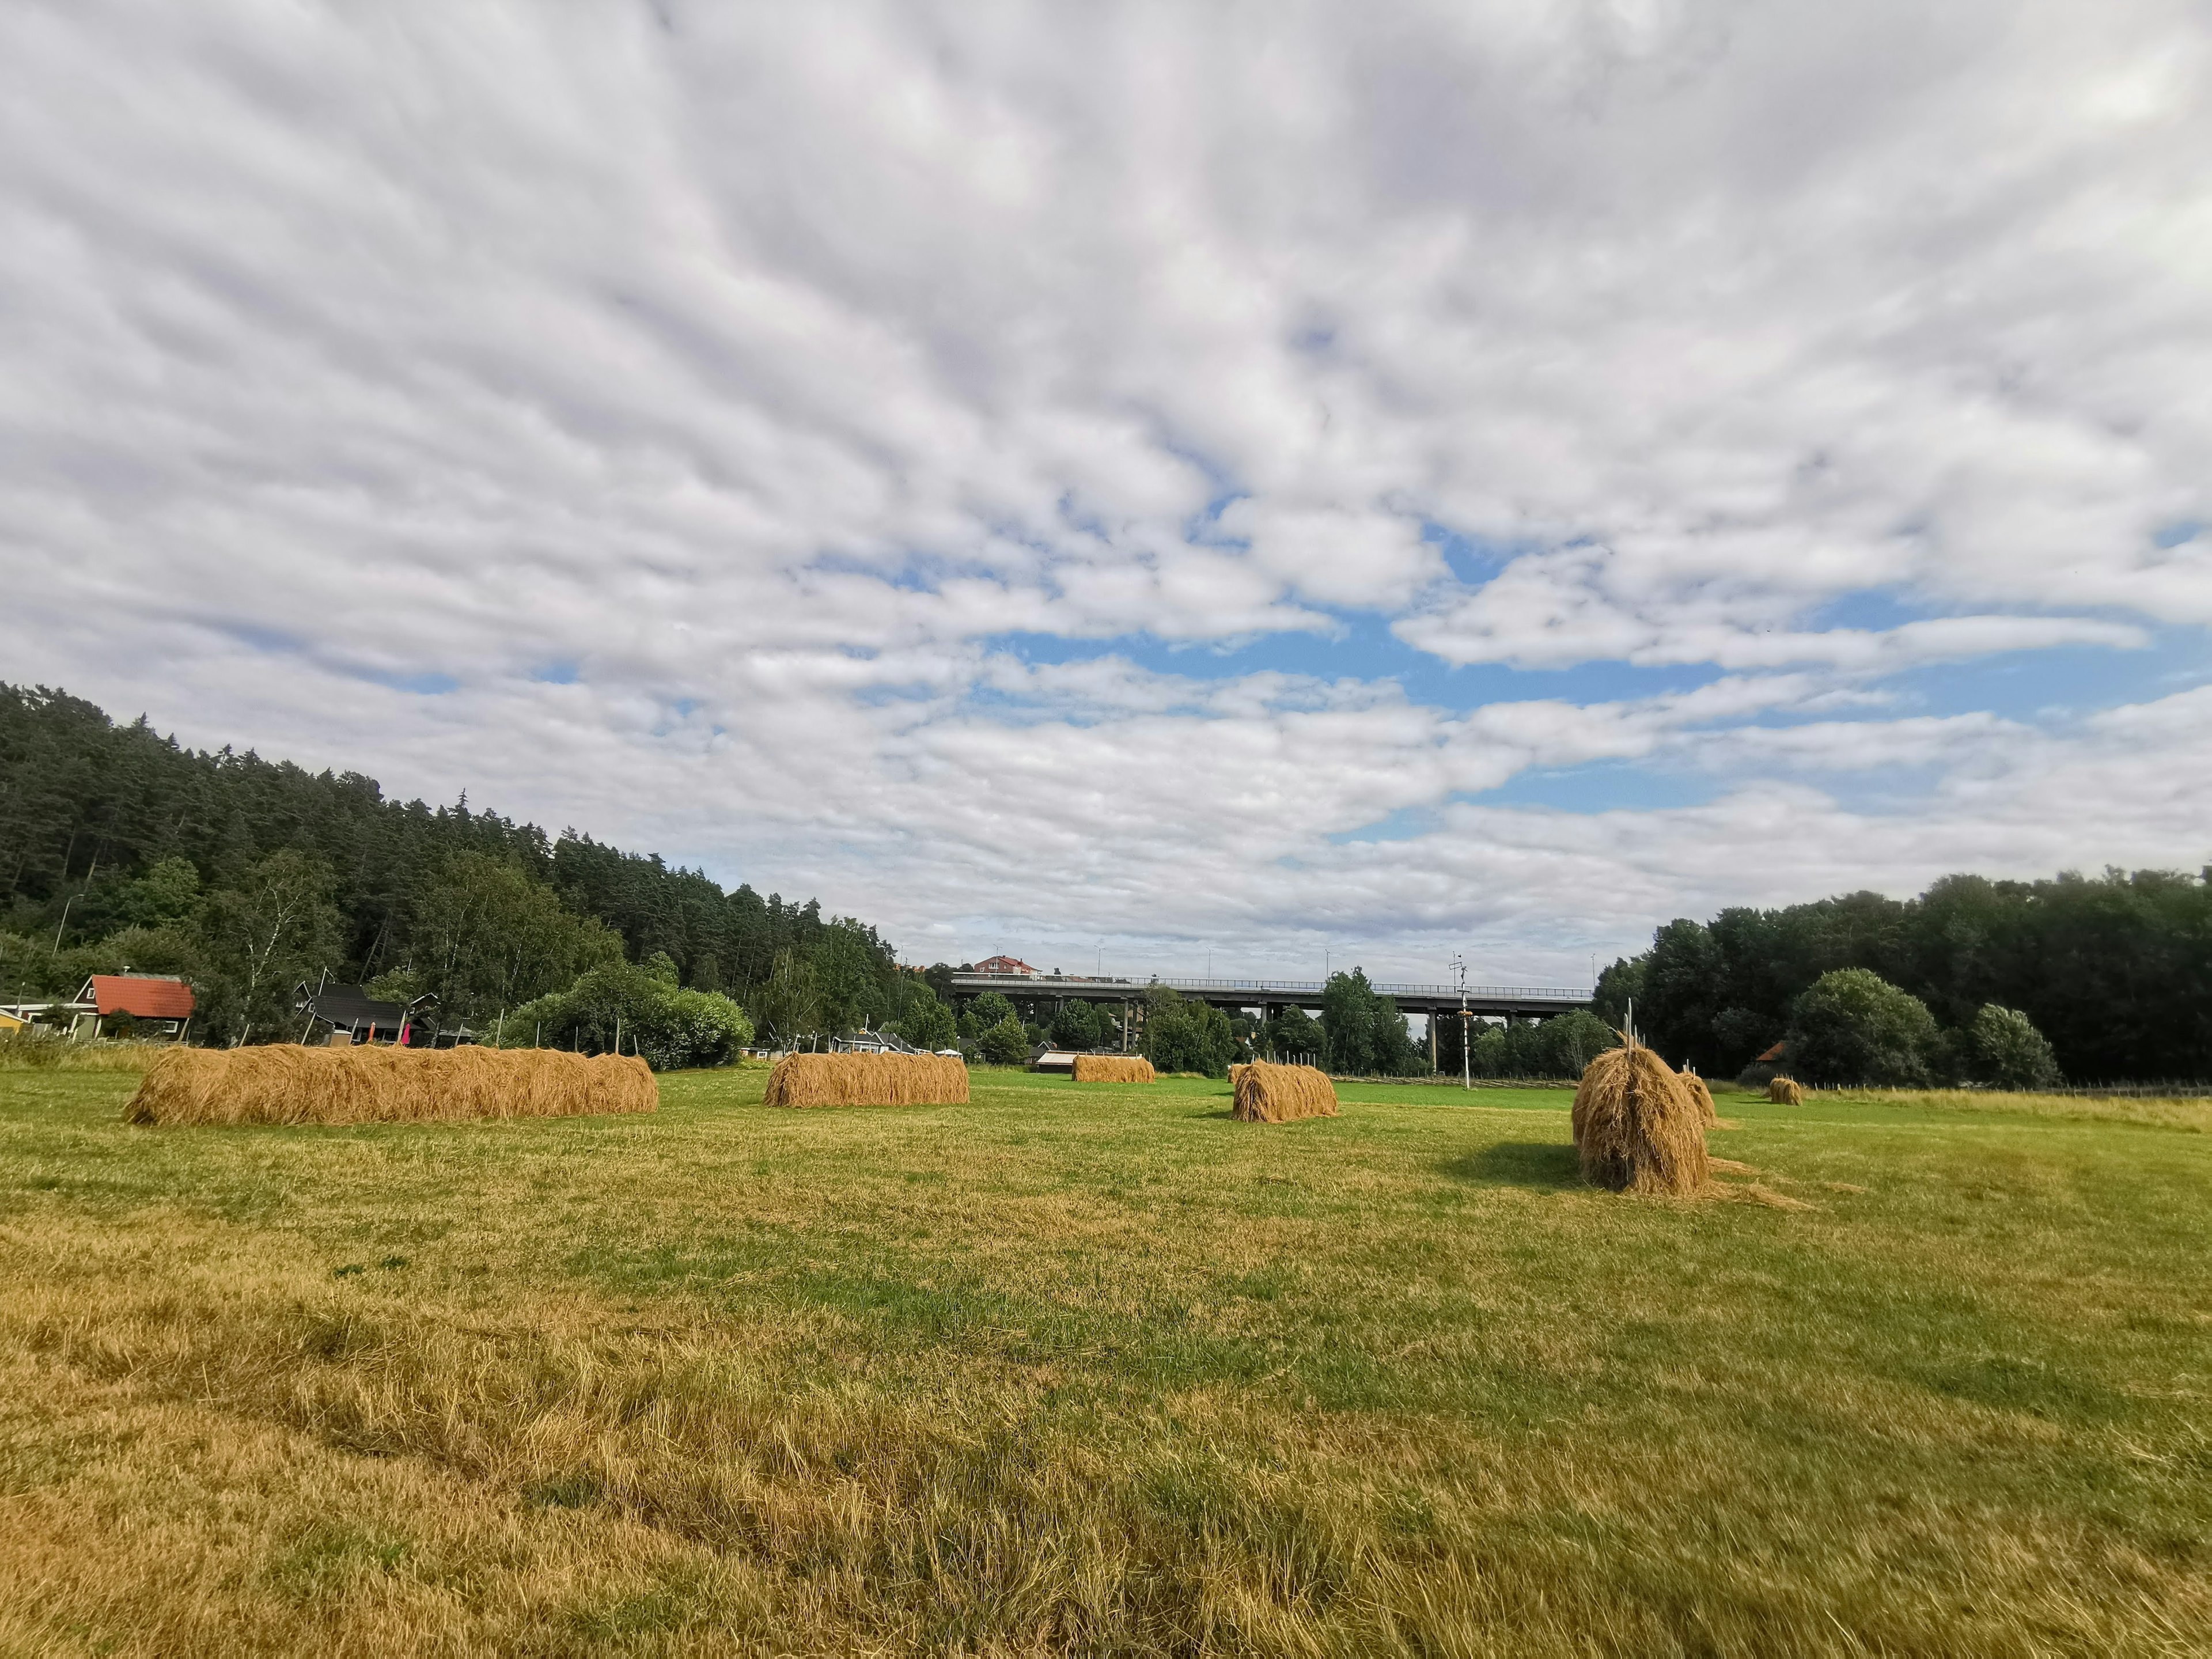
1275, 478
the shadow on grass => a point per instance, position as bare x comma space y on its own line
1543, 1164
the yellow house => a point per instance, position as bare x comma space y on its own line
11, 1022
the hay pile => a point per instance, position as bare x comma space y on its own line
867, 1080
1268, 1093
1708, 1113
1638, 1128
1113, 1068
289, 1082
1785, 1091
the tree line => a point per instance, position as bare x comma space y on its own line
121, 847
2098, 978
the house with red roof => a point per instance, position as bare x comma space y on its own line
157, 1005
1005, 965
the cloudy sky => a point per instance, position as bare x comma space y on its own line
1255, 483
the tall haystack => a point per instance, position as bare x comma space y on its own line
1638, 1128
1268, 1093
1785, 1091
289, 1083
1708, 1113
867, 1080
1113, 1068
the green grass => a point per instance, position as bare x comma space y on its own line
1101, 1370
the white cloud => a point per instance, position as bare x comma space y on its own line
758, 371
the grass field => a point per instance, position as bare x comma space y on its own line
1101, 1371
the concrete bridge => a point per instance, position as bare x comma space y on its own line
1269, 995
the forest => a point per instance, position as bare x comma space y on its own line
120, 847
2113, 972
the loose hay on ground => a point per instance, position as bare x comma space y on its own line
1113, 1068
867, 1080
289, 1083
1268, 1093
1636, 1127
1785, 1091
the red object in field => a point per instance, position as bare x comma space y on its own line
141, 998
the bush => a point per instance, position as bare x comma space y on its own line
1082, 1025
2004, 1047
927, 1023
1185, 1036
640, 1009
1003, 1044
1854, 1026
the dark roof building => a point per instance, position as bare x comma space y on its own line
350, 1008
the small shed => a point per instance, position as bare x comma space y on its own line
1060, 1062
157, 1005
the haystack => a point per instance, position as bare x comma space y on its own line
1268, 1093
867, 1080
289, 1083
1708, 1113
1638, 1128
1785, 1091
1113, 1068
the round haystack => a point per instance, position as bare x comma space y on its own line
1708, 1113
1638, 1128
1786, 1091
1113, 1068
1267, 1093
290, 1083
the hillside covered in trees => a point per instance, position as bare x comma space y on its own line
120, 847
2115, 970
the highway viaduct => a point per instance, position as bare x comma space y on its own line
1268, 996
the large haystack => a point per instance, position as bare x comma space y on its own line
1638, 1128
289, 1083
1785, 1091
1113, 1068
1708, 1113
1268, 1093
867, 1080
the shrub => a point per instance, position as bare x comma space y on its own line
2005, 1048
1185, 1036
927, 1023
1003, 1044
1854, 1026
644, 1010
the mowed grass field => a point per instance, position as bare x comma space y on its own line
1100, 1369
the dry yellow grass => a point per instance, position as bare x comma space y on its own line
1785, 1091
867, 1080
1035, 1377
1113, 1068
39, 1051
1637, 1128
1267, 1093
287, 1083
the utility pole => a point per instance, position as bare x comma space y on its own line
1465, 1030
